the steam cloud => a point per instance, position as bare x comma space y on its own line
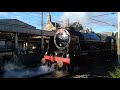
15, 71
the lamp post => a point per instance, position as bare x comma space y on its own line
12, 37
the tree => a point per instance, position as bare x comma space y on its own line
116, 35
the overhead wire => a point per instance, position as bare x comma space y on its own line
57, 19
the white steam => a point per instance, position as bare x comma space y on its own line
15, 69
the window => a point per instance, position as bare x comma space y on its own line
94, 36
86, 36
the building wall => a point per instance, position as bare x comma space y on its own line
8, 44
49, 27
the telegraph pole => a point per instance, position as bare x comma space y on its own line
68, 22
118, 47
42, 39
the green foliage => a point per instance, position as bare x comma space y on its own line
116, 34
115, 74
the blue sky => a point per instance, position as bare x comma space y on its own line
98, 21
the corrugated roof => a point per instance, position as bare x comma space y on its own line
16, 22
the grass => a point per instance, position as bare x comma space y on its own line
116, 73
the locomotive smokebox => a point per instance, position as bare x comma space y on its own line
62, 39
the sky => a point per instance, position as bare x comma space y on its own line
98, 21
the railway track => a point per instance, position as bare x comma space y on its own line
97, 72
43, 75
57, 74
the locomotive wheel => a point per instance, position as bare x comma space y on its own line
58, 68
67, 68
60, 64
43, 61
53, 65
70, 69
48, 64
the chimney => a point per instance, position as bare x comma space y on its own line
67, 23
90, 29
49, 18
85, 28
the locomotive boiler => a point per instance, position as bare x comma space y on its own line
69, 47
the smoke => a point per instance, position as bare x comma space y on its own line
15, 69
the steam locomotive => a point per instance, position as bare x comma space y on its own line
69, 47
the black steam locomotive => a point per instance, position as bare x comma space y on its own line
70, 47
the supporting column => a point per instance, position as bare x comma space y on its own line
42, 41
16, 42
118, 51
24, 45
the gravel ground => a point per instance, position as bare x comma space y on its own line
98, 72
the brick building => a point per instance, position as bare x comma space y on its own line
51, 25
